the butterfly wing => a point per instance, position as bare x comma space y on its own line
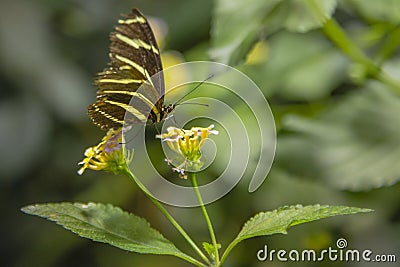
134, 58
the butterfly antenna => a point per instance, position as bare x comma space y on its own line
191, 103
191, 91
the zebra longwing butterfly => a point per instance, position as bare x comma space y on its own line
134, 58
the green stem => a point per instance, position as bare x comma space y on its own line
171, 219
390, 45
339, 37
228, 250
203, 208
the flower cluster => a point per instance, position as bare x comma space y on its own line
187, 143
108, 155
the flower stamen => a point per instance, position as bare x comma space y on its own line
108, 155
187, 144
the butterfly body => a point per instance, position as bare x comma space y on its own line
127, 92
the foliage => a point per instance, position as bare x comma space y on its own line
350, 142
347, 145
108, 224
329, 70
230, 46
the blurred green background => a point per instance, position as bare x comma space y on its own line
338, 121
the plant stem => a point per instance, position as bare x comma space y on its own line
228, 250
390, 45
338, 36
203, 208
171, 219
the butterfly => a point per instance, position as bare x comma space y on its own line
134, 59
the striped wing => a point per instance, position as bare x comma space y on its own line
134, 58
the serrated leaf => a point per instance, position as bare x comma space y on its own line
353, 145
278, 221
107, 224
237, 24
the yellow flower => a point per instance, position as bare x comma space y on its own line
108, 155
187, 143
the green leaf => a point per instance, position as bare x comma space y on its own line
306, 15
353, 145
309, 72
238, 24
107, 224
235, 27
382, 10
278, 221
